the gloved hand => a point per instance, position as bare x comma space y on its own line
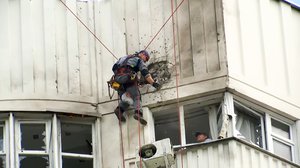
156, 85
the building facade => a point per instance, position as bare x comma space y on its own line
233, 68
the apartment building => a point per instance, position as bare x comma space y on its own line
231, 70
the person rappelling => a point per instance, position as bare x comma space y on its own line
125, 81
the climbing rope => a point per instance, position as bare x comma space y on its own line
89, 30
177, 77
121, 135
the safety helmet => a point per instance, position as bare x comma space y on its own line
145, 53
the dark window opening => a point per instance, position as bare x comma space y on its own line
76, 138
34, 161
33, 136
68, 162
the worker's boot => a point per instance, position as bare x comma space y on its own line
139, 116
119, 113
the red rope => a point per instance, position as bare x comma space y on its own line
139, 124
121, 134
165, 23
89, 30
177, 76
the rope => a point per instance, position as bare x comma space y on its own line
177, 76
89, 30
121, 134
165, 22
139, 123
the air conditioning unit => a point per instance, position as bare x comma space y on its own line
158, 154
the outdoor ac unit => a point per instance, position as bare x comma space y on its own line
158, 154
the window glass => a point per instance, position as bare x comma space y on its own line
34, 161
1, 138
281, 129
196, 120
77, 162
282, 150
2, 162
33, 136
167, 126
249, 126
76, 138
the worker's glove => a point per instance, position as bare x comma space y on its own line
156, 85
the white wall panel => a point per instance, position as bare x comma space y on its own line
263, 49
229, 154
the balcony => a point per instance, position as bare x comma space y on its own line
229, 153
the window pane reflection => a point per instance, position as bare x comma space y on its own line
1, 138
167, 126
249, 127
34, 162
196, 120
76, 138
77, 163
33, 136
281, 129
282, 150
2, 162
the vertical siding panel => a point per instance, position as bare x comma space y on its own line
83, 44
15, 47
294, 57
191, 159
221, 34
105, 34
72, 47
263, 11
118, 27
132, 30
91, 89
27, 46
276, 52
98, 49
38, 46
210, 27
49, 43
286, 18
202, 157
168, 33
144, 16
252, 41
233, 39
4, 47
61, 48
198, 36
157, 45
211, 156
184, 38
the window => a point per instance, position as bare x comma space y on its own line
194, 118
249, 125
44, 141
282, 143
253, 127
76, 145
33, 144
2, 147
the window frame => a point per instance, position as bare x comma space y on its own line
18, 148
255, 113
5, 152
202, 104
289, 142
76, 155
